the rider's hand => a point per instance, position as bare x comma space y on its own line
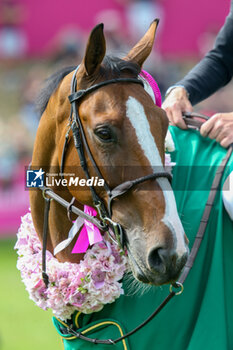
220, 128
177, 102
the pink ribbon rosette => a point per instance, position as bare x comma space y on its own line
89, 234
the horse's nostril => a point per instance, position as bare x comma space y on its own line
157, 260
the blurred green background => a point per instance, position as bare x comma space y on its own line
23, 325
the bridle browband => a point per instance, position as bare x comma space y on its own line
105, 221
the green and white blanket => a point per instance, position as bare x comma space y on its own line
202, 317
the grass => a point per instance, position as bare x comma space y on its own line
23, 326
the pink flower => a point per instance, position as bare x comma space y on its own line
98, 275
78, 299
86, 286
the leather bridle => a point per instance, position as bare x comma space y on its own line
105, 214
82, 146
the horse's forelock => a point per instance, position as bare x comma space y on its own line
114, 67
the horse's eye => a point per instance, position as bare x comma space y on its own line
104, 134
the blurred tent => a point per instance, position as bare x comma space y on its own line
184, 21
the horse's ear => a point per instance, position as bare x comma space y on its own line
95, 50
142, 49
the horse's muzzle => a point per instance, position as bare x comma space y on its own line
162, 266
164, 261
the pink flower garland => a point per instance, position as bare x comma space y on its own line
86, 286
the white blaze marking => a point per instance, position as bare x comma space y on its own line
136, 114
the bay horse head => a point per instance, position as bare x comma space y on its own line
125, 132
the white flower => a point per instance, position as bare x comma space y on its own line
169, 143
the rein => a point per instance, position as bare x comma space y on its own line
194, 123
105, 214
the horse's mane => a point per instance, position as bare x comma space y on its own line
112, 67
50, 86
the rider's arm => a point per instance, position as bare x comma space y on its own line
215, 69
210, 74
